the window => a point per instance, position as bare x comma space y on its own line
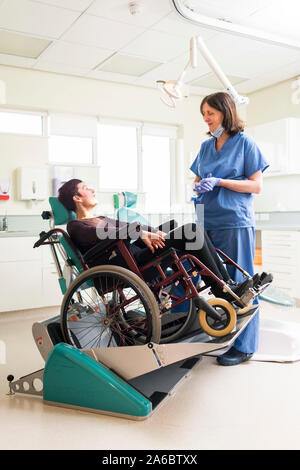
72, 139
156, 173
118, 157
14, 122
138, 158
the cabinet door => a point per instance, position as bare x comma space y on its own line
280, 252
51, 291
19, 249
272, 139
21, 285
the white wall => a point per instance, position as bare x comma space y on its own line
36, 90
266, 105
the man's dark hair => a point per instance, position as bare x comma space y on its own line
223, 102
66, 193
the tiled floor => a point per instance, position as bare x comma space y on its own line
251, 406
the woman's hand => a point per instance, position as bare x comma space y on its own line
153, 240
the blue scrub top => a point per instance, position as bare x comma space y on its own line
238, 159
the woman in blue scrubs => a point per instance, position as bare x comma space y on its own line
228, 169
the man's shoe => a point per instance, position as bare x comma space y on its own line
233, 357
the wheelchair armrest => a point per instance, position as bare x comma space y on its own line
122, 234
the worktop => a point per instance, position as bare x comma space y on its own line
17, 233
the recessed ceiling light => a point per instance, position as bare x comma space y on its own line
127, 65
211, 81
22, 45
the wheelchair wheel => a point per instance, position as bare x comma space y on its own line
175, 324
242, 311
218, 328
109, 306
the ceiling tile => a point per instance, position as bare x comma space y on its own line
127, 65
15, 61
111, 77
60, 68
255, 63
154, 45
270, 78
281, 18
162, 72
118, 10
200, 91
35, 18
211, 81
231, 9
21, 45
75, 55
172, 71
94, 31
77, 5
174, 24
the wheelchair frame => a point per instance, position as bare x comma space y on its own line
180, 273
130, 382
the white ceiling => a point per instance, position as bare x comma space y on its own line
80, 35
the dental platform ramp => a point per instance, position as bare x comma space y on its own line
73, 379
128, 382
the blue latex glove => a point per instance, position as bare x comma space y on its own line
206, 184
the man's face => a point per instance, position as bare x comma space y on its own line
85, 195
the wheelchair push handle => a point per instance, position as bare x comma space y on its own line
42, 239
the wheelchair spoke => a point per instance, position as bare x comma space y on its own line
111, 312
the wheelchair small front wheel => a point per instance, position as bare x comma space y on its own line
109, 306
242, 311
214, 327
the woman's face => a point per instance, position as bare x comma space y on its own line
212, 117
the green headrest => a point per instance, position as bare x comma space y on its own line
61, 215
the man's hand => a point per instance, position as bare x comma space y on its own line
153, 240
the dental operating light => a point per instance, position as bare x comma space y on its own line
172, 89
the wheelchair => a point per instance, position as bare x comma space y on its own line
106, 305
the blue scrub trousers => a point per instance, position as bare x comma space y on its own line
239, 245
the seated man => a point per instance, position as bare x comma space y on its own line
87, 231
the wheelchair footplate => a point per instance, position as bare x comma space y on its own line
129, 381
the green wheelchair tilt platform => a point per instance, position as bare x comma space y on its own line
128, 382
124, 381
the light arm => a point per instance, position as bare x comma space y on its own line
173, 88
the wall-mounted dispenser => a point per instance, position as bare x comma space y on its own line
4, 189
32, 183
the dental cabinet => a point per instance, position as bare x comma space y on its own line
279, 142
281, 257
28, 275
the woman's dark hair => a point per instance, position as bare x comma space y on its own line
66, 193
223, 102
